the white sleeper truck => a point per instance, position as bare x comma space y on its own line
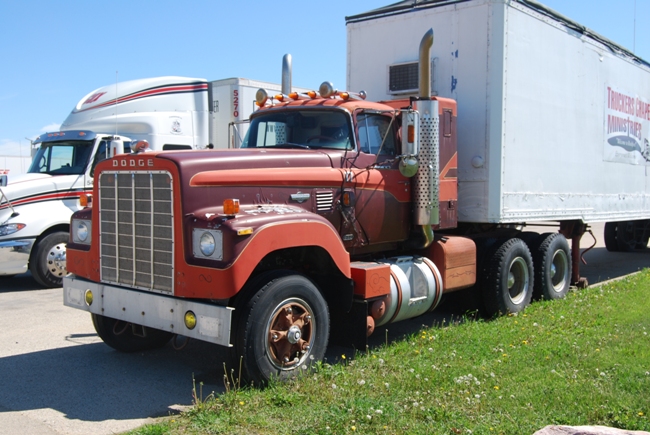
170, 113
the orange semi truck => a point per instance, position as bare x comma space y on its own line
335, 216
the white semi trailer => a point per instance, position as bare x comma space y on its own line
170, 113
553, 119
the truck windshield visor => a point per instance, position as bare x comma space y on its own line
62, 158
311, 129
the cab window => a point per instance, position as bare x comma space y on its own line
372, 128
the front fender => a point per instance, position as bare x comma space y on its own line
272, 230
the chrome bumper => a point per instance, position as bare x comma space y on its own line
153, 310
14, 256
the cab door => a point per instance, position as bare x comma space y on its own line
382, 195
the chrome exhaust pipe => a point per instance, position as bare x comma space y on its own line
426, 186
424, 65
286, 74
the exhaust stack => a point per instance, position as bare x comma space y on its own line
427, 186
286, 74
424, 65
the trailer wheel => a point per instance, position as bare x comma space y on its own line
610, 236
552, 261
281, 330
508, 285
128, 337
48, 263
626, 237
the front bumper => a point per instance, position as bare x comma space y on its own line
149, 309
14, 256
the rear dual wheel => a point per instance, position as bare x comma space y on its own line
552, 259
508, 283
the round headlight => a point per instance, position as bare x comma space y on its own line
207, 244
82, 231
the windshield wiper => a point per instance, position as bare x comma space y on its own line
291, 145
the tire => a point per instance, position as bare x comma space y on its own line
552, 264
120, 335
280, 330
530, 238
610, 236
626, 239
508, 282
48, 263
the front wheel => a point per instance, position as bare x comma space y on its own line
48, 262
129, 337
508, 284
282, 329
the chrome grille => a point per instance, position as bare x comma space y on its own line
136, 229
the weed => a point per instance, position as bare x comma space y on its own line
582, 360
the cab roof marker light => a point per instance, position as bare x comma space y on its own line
361, 95
281, 98
299, 96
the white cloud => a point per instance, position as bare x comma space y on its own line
51, 127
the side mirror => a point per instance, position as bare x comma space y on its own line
408, 165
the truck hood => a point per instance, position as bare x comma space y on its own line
194, 162
35, 187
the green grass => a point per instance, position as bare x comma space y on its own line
583, 360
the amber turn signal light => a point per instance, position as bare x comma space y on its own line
231, 207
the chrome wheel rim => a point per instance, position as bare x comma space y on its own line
290, 333
518, 280
559, 270
56, 260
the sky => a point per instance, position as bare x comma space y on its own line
54, 52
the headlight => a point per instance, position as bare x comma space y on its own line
81, 231
5, 230
207, 244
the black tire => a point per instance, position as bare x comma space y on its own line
610, 236
280, 330
48, 263
530, 238
644, 243
127, 337
552, 264
508, 282
626, 238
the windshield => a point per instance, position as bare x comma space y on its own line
62, 158
300, 129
